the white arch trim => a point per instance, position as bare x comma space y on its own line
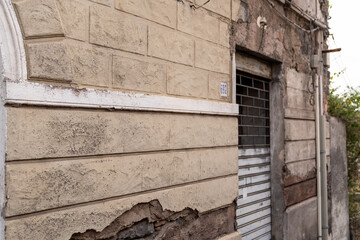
12, 69
11, 44
20, 91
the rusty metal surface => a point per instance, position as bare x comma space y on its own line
254, 66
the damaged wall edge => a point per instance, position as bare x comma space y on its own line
13, 68
2, 152
150, 221
277, 133
65, 222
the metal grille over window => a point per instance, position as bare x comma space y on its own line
252, 94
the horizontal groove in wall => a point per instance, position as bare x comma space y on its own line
58, 159
52, 210
299, 140
297, 118
45, 38
299, 183
299, 161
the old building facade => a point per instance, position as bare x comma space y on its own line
163, 119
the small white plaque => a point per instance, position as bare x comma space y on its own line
223, 89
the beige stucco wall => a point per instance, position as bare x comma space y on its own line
70, 169
157, 47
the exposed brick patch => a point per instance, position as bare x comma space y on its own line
149, 221
300, 192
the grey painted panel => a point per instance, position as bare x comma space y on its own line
254, 169
253, 217
258, 233
255, 225
253, 207
254, 188
246, 200
253, 161
253, 179
253, 152
267, 236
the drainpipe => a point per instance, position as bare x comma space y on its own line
324, 192
318, 164
320, 144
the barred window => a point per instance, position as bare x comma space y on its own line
252, 95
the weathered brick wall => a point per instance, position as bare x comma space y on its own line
72, 170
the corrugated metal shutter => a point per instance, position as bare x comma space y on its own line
254, 203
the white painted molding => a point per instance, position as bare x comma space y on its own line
11, 44
47, 95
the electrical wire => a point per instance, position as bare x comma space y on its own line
271, 4
341, 66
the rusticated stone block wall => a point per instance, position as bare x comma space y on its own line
300, 163
162, 47
72, 171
